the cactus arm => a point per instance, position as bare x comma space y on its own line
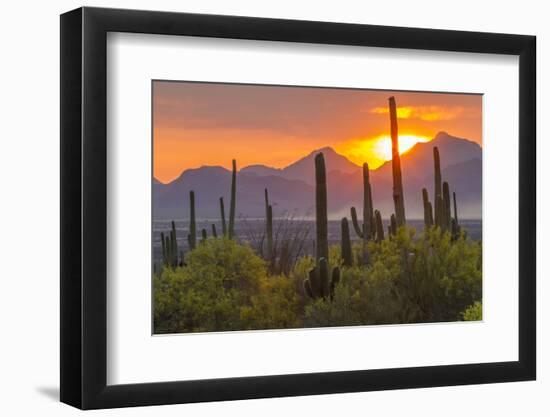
356, 223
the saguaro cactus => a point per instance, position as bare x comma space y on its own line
268, 227
398, 197
347, 257
366, 231
379, 226
204, 235
192, 237
232, 207
222, 212
214, 232
318, 284
446, 207
393, 225
428, 215
438, 197
321, 217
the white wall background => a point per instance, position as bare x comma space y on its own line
29, 210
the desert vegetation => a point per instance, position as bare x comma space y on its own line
374, 276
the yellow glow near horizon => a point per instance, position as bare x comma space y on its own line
382, 145
377, 150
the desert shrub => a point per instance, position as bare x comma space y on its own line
473, 312
220, 279
411, 279
276, 306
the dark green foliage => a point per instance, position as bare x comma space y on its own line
211, 293
398, 196
413, 279
232, 207
222, 213
192, 237
347, 257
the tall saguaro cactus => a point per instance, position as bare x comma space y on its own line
192, 237
321, 216
268, 226
231, 231
347, 257
222, 212
438, 197
319, 284
398, 197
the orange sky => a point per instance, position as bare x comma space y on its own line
197, 124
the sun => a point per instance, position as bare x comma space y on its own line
382, 145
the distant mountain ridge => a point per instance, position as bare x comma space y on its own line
292, 188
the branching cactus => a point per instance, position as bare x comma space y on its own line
192, 237
398, 197
319, 284
232, 207
347, 256
367, 230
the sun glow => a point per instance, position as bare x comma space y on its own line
382, 145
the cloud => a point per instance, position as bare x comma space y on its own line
426, 113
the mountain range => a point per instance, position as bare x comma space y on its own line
292, 189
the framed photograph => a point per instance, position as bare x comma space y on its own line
258, 208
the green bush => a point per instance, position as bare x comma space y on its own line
410, 280
220, 279
473, 312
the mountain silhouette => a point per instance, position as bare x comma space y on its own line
292, 189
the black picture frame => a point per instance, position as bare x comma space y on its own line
84, 207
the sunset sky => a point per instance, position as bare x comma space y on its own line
196, 124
